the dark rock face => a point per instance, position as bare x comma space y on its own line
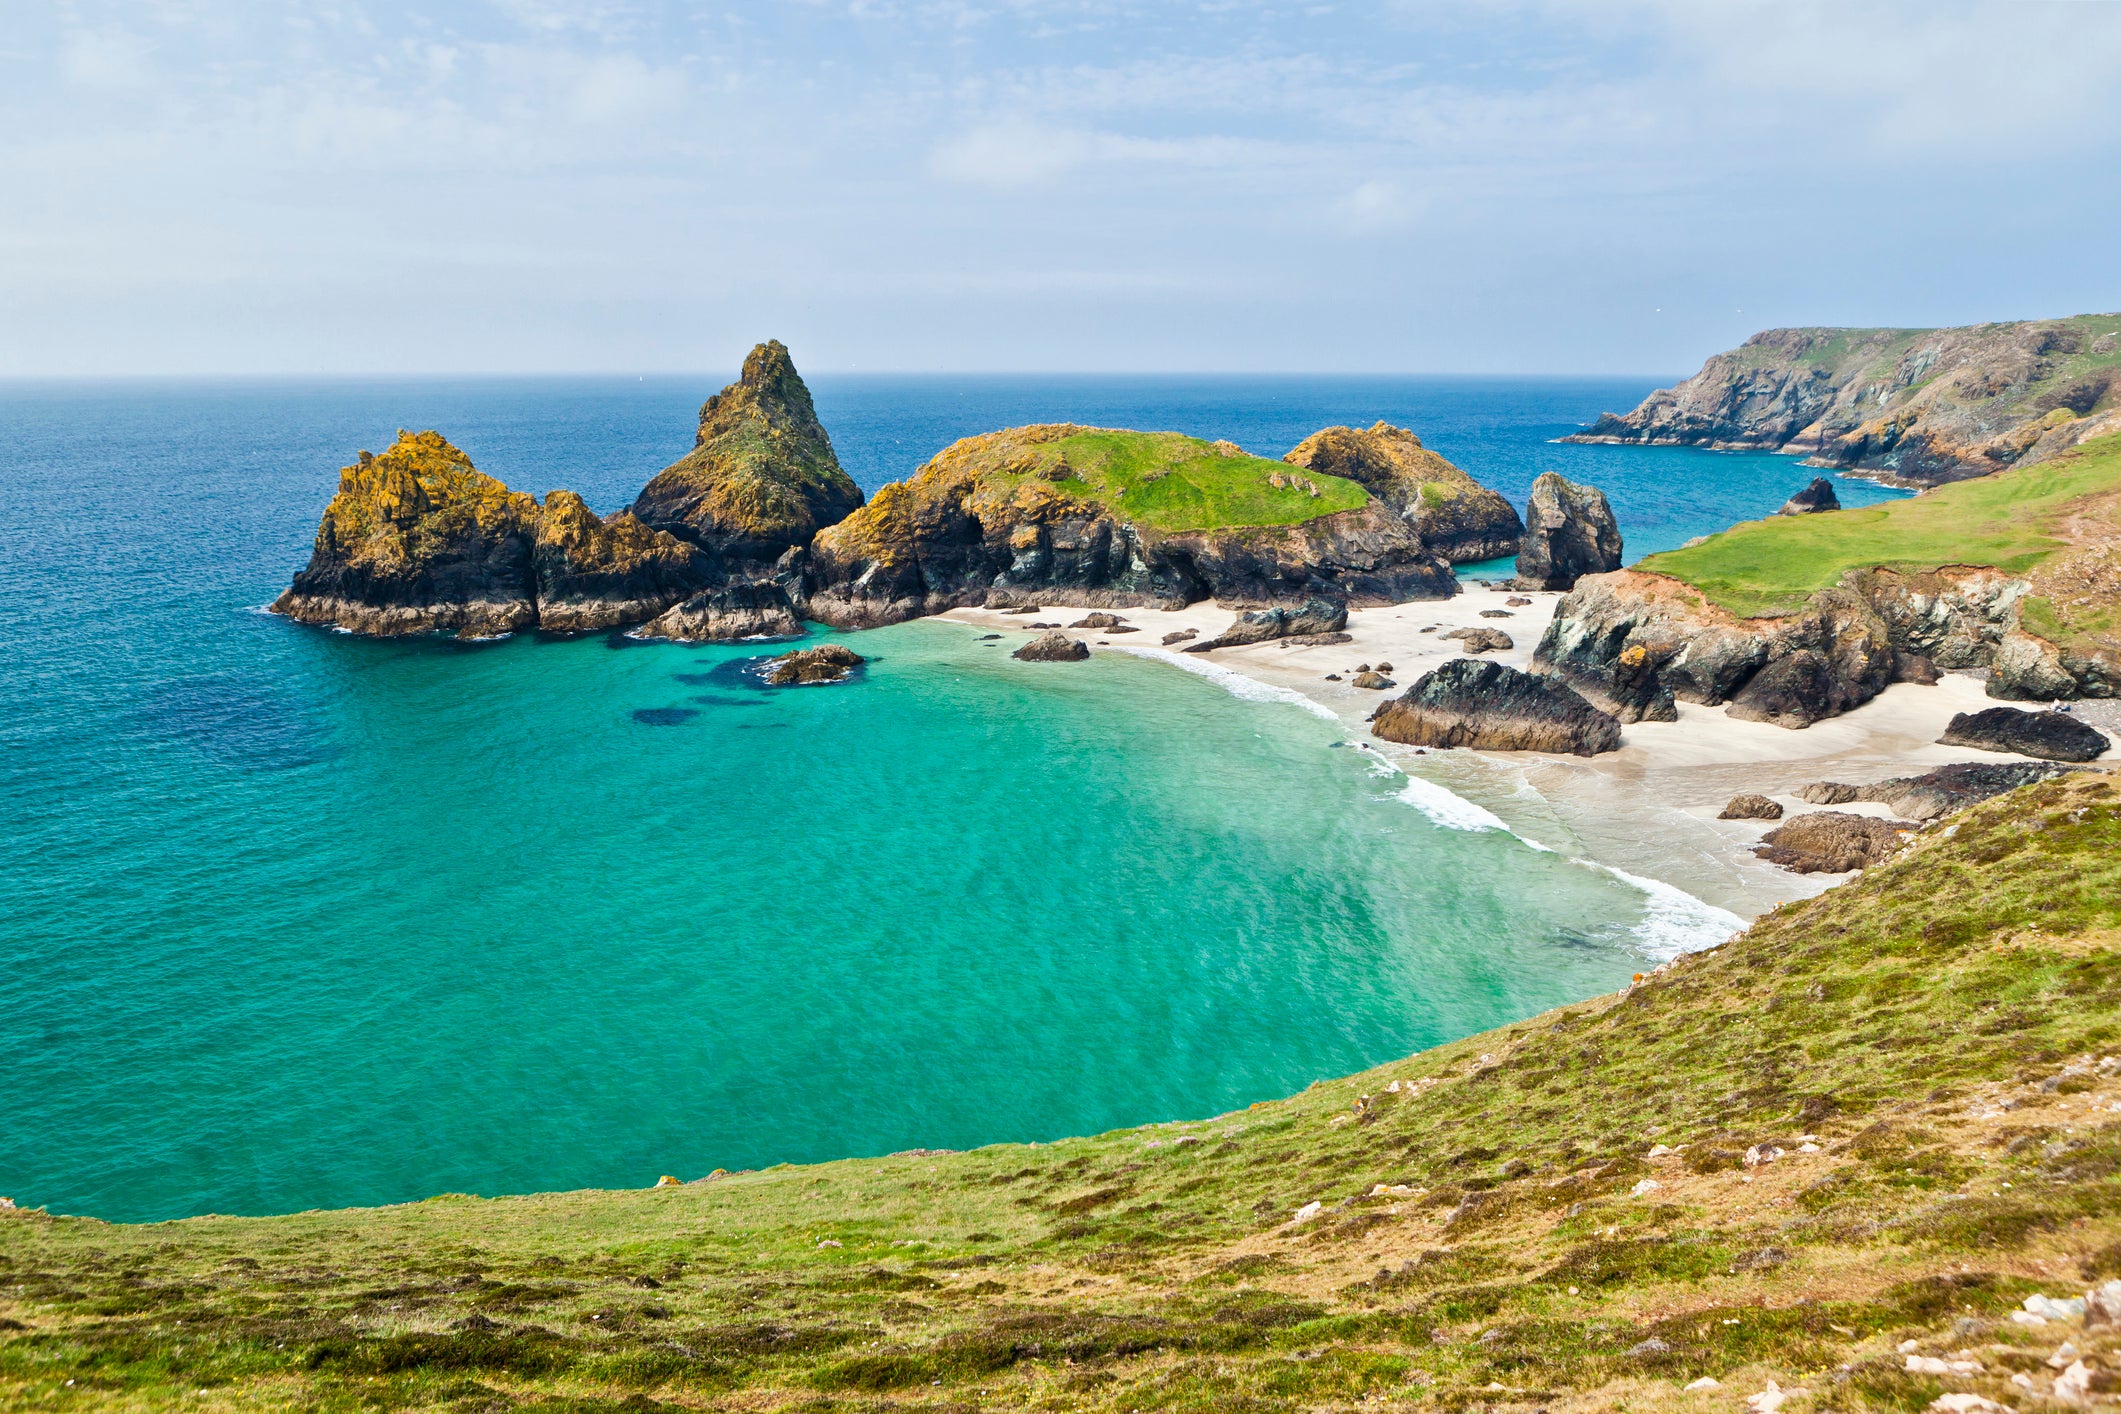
761, 478
970, 529
2051, 736
828, 662
1817, 497
419, 541
1483, 640
1455, 516
1313, 618
1939, 792
1832, 842
724, 615
596, 573
1569, 532
1481, 704
2027, 668
1052, 648
1751, 807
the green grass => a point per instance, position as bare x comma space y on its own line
2008, 520
1932, 1023
1175, 483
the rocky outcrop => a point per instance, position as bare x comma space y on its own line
761, 478
419, 541
1817, 497
1936, 793
1750, 807
749, 609
1633, 642
1569, 532
2051, 736
1055, 647
808, 667
1063, 514
1455, 515
1479, 703
2027, 668
1914, 407
1313, 617
1832, 842
597, 573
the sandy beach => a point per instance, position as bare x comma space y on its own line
1648, 809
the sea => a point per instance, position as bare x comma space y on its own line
292, 919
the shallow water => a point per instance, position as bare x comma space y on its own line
295, 919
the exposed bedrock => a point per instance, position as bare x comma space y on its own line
1455, 515
1633, 642
1936, 793
1312, 617
1569, 532
1001, 519
751, 609
1479, 703
596, 573
1832, 842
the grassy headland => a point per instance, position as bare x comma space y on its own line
1911, 1063
2013, 520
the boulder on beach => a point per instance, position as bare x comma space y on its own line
1375, 681
1180, 636
1098, 620
1316, 615
1479, 703
1482, 640
828, 662
2051, 736
1569, 532
727, 614
1817, 497
1832, 842
1751, 807
1053, 647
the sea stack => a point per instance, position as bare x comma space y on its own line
761, 478
417, 540
1569, 533
1455, 515
1817, 497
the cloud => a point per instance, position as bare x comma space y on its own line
1022, 154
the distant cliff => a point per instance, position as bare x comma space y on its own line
1912, 407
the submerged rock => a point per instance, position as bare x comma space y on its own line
1052, 648
1314, 618
761, 478
1751, 807
727, 614
1832, 842
1817, 497
1455, 515
417, 540
2051, 736
1569, 532
1482, 704
828, 662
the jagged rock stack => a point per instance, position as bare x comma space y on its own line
1569, 532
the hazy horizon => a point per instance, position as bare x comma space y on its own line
1544, 188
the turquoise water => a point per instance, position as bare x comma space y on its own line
294, 919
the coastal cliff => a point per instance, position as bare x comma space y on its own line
1794, 619
1456, 516
1104, 518
1910, 407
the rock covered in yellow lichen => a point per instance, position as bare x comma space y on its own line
600, 572
1457, 517
761, 478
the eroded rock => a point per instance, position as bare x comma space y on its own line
1569, 532
1482, 704
2051, 736
1482, 640
1052, 648
1813, 499
754, 609
1751, 807
1455, 516
1832, 842
828, 662
1314, 617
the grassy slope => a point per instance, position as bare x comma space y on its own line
1173, 483
1925, 1022
2010, 520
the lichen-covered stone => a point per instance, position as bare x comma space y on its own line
761, 478
1750, 807
1569, 532
1455, 515
417, 540
806, 667
603, 572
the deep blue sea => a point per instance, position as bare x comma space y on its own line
293, 919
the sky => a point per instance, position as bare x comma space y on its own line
1553, 186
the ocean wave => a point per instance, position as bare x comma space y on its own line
1674, 921
1234, 683
1453, 811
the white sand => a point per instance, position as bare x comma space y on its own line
1649, 808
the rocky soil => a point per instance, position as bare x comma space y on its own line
1484, 705
1914, 407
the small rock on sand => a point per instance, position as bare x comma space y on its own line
1181, 636
1098, 620
1517, 601
1375, 681
1751, 807
1483, 640
1497, 614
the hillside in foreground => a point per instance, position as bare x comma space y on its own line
1835, 1153
1915, 407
